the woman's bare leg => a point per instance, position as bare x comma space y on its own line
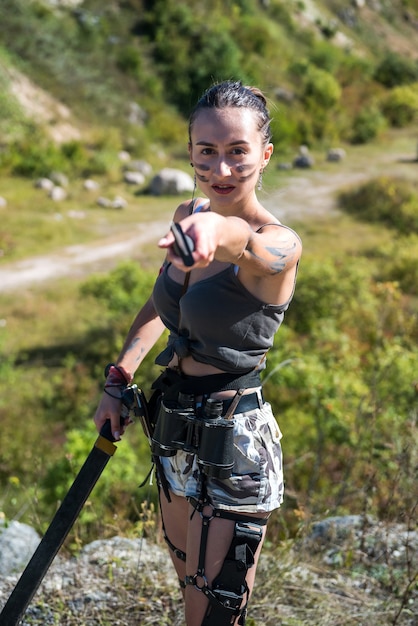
183, 526
176, 516
219, 540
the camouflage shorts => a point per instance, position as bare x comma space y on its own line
256, 484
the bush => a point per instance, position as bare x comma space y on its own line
399, 262
33, 156
323, 290
367, 125
122, 290
115, 496
320, 88
326, 57
395, 70
389, 201
400, 107
280, 12
128, 60
320, 93
285, 128
341, 380
191, 51
354, 70
121, 293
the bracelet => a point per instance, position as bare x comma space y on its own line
117, 375
112, 395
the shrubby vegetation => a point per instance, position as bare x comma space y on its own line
99, 58
44, 453
387, 200
367, 125
341, 379
348, 390
394, 70
400, 106
342, 373
400, 262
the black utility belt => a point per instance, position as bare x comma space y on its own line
171, 382
248, 402
205, 429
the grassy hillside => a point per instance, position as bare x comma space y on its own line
81, 81
125, 74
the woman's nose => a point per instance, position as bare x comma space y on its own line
222, 168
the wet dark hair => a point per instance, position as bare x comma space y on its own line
235, 94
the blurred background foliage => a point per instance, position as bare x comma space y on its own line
342, 375
318, 70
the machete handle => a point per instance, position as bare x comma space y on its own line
106, 430
132, 400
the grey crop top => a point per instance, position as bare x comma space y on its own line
222, 323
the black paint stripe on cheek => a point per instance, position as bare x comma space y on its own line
244, 178
204, 168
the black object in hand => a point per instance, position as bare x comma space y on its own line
183, 245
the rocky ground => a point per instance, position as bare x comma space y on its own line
345, 571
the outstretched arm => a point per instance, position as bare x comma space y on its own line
267, 259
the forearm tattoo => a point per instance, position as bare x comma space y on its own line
134, 346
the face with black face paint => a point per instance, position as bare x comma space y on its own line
228, 152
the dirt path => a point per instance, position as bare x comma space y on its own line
303, 194
77, 260
310, 194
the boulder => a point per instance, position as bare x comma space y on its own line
124, 156
57, 193
284, 95
90, 185
105, 203
139, 166
44, 183
335, 155
119, 203
59, 179
303, 159
17, 544
171, 181
134, 178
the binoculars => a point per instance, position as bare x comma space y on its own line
204, 433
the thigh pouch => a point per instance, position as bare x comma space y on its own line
228, 595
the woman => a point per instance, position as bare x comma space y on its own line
221, 324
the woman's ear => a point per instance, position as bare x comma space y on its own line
268, 151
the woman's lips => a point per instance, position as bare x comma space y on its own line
223, 189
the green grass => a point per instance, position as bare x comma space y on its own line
56, 339
33, 224
46, 323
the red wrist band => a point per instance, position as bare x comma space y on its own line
117, 375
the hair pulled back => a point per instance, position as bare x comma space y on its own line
235, 94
